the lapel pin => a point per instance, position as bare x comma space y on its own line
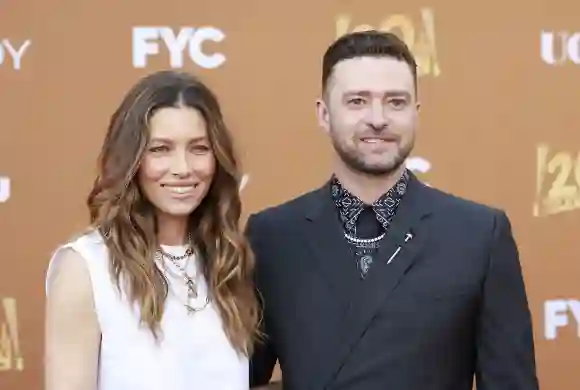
408, 238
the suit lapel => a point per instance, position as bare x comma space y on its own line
370, 294
332, 257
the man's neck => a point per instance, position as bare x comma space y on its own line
367, 188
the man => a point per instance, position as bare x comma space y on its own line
375, 280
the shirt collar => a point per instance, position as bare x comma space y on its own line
350, 206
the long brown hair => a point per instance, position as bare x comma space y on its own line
126, 220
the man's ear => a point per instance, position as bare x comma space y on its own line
322, 114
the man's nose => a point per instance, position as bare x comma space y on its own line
378, 117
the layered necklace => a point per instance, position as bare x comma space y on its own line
182, 274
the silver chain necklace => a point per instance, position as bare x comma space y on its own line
357, 240
188, 280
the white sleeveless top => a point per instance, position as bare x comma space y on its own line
193, 351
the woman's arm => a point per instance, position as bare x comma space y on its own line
72, 334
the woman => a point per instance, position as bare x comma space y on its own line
157, 294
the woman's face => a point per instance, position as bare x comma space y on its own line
178, 165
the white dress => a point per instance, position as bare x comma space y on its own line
194, 352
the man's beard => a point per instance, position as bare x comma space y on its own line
356, 162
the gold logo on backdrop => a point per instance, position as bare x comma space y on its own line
419, 37
557, 181
10, 354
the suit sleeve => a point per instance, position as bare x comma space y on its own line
264, 358
505, 345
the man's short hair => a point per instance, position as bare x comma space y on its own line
370, 43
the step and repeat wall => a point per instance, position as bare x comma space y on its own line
499, 124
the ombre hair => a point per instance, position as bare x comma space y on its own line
126, 219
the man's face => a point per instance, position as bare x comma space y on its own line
370, 113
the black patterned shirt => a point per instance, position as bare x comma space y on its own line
365, 225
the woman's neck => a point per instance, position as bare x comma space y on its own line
171, 230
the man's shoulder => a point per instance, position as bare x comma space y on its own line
467, 210
288, 210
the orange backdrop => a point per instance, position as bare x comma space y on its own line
499, 86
